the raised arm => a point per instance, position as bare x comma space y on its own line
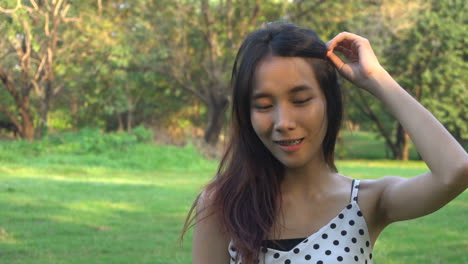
401, 198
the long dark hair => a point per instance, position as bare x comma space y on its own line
245, 194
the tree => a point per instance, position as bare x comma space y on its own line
33, 35
197, 42
431, 59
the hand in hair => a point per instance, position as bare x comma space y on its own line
360, 65
404, 198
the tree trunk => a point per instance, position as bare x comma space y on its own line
129, 120
43, 119
45, 107
406, 145
216, 118
120, 128
402, 144
74, 110
27, 128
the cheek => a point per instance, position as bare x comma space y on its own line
261, 123
316, 118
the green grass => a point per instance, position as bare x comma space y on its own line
129, 207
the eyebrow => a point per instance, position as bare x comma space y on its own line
294, 90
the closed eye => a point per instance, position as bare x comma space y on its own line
262, 107
299, 102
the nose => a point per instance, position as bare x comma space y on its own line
284, 119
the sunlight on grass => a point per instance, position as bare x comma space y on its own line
383, 163
114, 212
100, 206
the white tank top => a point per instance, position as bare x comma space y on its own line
345, 239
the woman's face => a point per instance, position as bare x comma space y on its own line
288, 110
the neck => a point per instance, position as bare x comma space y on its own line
312, 179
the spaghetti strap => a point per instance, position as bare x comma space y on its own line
354, 191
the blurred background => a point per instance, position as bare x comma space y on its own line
113, 114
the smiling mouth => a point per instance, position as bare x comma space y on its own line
288, 142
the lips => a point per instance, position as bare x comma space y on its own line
289, 142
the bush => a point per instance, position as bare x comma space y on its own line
142, 134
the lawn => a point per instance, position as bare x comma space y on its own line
129, 206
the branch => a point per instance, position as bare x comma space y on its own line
168, 73
57, 7
308, 10
33, 2
37, 88
57, 89
10, 11
368, 111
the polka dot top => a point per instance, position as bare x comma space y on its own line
345, 239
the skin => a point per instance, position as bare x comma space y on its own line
310, 190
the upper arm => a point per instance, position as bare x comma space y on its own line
210, 242
403, 199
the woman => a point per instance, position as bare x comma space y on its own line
277, 197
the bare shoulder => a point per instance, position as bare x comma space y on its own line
371, 191
369, 199
210, 241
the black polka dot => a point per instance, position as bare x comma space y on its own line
370, 255
276, 255
341, 216
340, 258
361, 232
307, 257
319, 262
357, 186
287, 261
362, 251
355, 198
351, 222
325, 236
328, 252
359, 213
233, 249
343, 233
346, 249
305, 241
316, 246
354, 240
366, 261
349, 206
356, 258
264, 250
296, 250
367, 243
336, 242
333, 226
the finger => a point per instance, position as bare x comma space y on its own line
347, 52
343, 38
335, 60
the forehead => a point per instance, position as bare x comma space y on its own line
280, 74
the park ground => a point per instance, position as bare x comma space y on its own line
127, 204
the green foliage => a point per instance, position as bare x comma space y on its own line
142, 134
430, 58
93, 148
117, 62
84, 142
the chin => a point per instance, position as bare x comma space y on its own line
292, 164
